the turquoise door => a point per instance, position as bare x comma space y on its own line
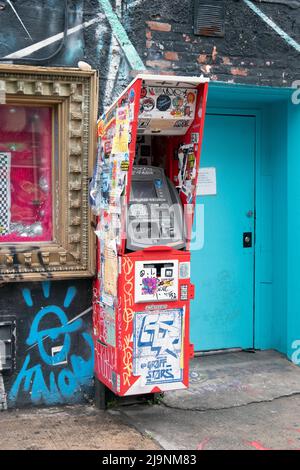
222, 314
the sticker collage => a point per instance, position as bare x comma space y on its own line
141, 295
107, 198
166, 110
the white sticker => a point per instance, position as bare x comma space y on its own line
156, 281
157, 354
207, 182
58, 358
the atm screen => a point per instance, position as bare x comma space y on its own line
155, 215
143, 190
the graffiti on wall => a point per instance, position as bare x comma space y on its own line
55, 32
47, 31
101, 32
53, 372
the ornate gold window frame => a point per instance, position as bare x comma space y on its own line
74, 95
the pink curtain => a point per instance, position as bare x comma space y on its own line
26, 132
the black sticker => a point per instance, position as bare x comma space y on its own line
163, 102
182, 123
143, 123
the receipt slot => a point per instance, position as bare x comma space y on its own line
143, 194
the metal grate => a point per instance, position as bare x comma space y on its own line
7, 349
209, 18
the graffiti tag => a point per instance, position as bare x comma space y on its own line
41, 381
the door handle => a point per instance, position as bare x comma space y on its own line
247, 239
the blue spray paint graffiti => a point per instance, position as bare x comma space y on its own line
64, 385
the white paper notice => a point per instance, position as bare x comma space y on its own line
207, 182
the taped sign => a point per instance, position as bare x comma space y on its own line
207, 182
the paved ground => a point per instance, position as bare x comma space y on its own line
274, 425
234, 379
71, 428
236, 401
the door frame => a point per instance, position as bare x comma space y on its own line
240, 110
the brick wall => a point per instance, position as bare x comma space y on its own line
161, 31
250, 52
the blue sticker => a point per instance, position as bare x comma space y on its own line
131, 96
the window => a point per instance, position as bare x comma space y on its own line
47, 137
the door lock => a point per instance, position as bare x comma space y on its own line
247, 239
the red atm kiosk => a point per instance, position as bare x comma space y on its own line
143, 193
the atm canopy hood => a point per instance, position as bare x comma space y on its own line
167, 103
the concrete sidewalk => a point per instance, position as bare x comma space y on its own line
233, 379
235, 401
68, 428
273, 425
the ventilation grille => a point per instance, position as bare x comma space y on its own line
209, 18
7, 345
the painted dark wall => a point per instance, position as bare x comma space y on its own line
250, 52
42, 19
161, 33
48, 315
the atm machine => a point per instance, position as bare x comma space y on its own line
143, 194
155, 215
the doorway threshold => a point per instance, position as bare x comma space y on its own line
217, 351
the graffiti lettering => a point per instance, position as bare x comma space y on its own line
106, 362
161, 336
67, 384
128, 292
157, 353
61, 384
127, 360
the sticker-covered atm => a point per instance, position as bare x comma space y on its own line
143, 193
